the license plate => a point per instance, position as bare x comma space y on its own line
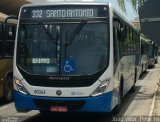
58, 108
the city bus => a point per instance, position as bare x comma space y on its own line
152, 54
74, 57
144, 53
7, 38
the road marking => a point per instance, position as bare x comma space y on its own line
153, 101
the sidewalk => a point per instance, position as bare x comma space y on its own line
156, 111
139, 103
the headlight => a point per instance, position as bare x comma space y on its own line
21, 87
101, 88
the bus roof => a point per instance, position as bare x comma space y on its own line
65, 3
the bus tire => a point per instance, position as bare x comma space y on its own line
8, 89
117, 108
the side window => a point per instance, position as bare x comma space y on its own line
125, 41
11, 32
1, 48
1, 38
14, 31
128, 41
142, 49
134, 41
116, 42
7, 47
1, 32
115, 46
137, 42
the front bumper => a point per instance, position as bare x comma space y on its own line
86, 104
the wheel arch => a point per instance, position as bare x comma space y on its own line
8, 74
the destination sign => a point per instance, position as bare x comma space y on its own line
62, 13
55, 12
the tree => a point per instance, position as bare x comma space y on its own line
133, 2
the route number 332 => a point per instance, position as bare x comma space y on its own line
37, 14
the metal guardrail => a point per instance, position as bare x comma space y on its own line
155, 19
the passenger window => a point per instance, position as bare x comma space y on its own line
11, 32
6, 49
116, 45
1, 32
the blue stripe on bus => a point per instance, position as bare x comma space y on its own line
92, 104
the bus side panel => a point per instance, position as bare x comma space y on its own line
123, 74
127, 70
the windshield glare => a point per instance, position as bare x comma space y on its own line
85, 54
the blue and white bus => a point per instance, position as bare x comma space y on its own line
74, 57
152, 54
144, 53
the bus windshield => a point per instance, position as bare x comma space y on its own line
80, 48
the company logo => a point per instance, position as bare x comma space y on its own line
59, 78
58, 92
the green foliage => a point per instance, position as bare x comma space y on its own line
122, 5
133, 2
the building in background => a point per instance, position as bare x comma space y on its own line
149, 12
136, 22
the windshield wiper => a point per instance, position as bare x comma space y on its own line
75, 32
73, 35
52, 37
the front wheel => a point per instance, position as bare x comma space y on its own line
8, 89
